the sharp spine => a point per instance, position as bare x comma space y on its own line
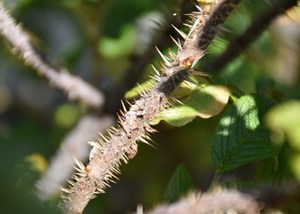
184, 36
164, 58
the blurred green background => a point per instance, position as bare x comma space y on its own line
99, 40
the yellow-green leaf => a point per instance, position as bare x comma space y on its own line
284, 120
203, 102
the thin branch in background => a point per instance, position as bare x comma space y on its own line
73, 145
75, 87
222, 201
134, 124
243, 41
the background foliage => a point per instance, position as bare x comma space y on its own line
253, 144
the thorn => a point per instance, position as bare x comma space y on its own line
143, 140
155, 70
156, 78
141, 90
184, 36
114, 129
77, 169
104, 138
128, 103
80, 174
79, 164
176, 42
151, 130
110, 132
193, 27
99, 191
178, 101
124, 158
122, 114
70, 182
123, 105
164, 58
65, 190
115, 170
113, 176
199, 8
187, 25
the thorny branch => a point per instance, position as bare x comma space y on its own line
221, 201
134, 124
243, 41
75, 87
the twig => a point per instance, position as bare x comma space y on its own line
242, 42
215, 202
75, 87
134, 124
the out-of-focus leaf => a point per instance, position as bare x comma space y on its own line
204, 102
295, 164
284, 120
112, 48
38, 162
180, 183
240, 137
67, 115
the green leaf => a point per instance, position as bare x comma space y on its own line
112, 48
276, 169
204, 102
180, 183
240, 137
67, 115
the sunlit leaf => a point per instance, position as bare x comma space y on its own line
284, 120
204, 102
240, 137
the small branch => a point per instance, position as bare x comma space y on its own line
134, 124
75, 87
243, 41
215, 202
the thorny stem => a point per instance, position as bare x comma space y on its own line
242, 42
220, 201
107, 154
